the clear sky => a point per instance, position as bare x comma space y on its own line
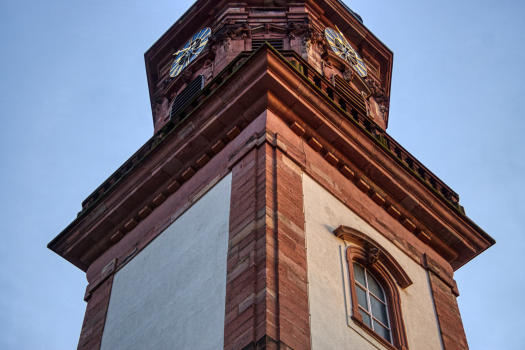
74, 106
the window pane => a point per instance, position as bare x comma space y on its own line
382, 331
361, 297
379, 310
359, 274
366, 318
375, 288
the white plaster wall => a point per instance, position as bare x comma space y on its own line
172, 294
328, 288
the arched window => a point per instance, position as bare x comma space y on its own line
375, 281
372, 302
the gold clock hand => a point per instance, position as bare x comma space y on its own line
342, 36
349, 48
176, 53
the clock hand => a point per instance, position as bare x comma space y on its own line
191, 47
342, 36
176, 53
349, 50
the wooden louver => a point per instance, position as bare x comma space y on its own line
186, 96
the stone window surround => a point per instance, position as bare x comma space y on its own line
367, 252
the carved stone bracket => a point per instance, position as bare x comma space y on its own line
379, 95
313, 39
297, 29
348, 74
186, 75
207, 64
372, 255
229, 32
158, 96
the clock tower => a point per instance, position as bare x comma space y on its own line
271, 209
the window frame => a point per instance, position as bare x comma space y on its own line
390, 275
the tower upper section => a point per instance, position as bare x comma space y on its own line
329, 36
311, 64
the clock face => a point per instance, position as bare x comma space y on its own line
190, 51
343, 49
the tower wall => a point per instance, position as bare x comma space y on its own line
265, 123
171, 294
328, 278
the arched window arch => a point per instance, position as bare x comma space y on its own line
375, 280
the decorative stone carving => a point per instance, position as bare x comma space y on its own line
186, 75
372, 255
379, 95
226, 44
244, 31
295, 29
156, 105
207, 64
307, 44
320, 42
158, 96
332, 80
314, 39
348, 74
229, 32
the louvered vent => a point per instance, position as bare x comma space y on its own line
276, 43
186, 95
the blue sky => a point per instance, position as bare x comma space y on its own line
74, 106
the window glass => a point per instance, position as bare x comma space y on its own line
359, 274
366, 318
375, 288
372, 302
379, 310
382, 331
361, 297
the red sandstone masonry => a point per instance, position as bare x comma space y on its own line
242, 269
95, 317
266, 292
449, 318
265, 258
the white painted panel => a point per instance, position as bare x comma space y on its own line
328, 288
172, 294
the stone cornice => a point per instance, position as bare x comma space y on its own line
453, 234
228, 104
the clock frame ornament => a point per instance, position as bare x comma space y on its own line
190, 51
